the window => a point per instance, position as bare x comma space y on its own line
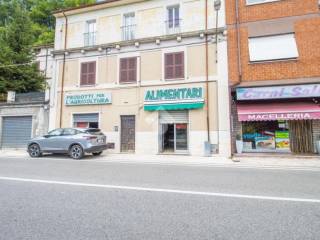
251, 2
70, 132
88, 73
56, 132
269, 48
128, 29
173, 19
90, 34
86, 120
128, 70
174, 65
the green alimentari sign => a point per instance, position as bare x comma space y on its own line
88, 99
174, 99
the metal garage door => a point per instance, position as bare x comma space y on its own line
16, 131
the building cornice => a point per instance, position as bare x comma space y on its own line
200, 33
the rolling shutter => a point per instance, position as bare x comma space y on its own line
88, 73
91, 117
128, 70
16, 131
171, 117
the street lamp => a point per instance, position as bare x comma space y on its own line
217, 5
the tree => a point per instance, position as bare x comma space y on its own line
44, 21
18, 72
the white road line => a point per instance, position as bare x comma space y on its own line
161, 190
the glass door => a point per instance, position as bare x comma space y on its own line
174, 138
181, 137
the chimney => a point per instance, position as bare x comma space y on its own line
11, 96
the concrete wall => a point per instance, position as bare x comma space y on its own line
150, 16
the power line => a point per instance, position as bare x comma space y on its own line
14, 65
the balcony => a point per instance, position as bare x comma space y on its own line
90, 39
173, 26
128, 32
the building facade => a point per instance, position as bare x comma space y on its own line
274, 74
22, 117
152, 75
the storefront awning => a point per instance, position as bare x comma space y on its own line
175, 106
278, 111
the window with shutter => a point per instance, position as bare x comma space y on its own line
174, 65
88, 73
128, 70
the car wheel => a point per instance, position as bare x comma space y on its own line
96, 153
34, 150
76, 152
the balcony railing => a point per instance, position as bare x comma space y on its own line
90, 39
173, 26
128, 32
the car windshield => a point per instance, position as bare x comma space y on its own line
94, 131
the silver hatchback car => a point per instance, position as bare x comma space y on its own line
73, 141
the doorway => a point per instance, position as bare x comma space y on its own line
174, 138
128, 133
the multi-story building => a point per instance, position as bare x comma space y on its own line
151, 74
274, 59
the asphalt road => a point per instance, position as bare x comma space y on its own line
58, 198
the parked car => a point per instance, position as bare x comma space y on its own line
73, 141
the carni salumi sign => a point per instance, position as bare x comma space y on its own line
173, 99
279, 92
88, 99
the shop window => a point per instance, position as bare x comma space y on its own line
88, 73
271, 48
90, 120
174, 65
266, 136
128, 70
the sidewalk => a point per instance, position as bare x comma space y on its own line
241, 161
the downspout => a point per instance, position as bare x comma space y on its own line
207, 71
238, 42
63, 67
239, 80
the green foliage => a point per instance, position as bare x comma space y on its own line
16, 41
41, 15
24, 24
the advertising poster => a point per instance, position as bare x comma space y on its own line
265, 143
282, 140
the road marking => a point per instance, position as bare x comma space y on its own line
161, 190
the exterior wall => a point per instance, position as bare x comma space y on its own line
300, 17
46, 61
128, 99
307, 34
269, 10
40, 116
150, 21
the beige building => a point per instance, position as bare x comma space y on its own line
152, 75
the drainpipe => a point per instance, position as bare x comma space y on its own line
63, 67
238, 41
207, 70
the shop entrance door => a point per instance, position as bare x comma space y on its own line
128, 133
174, 138
173, 131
